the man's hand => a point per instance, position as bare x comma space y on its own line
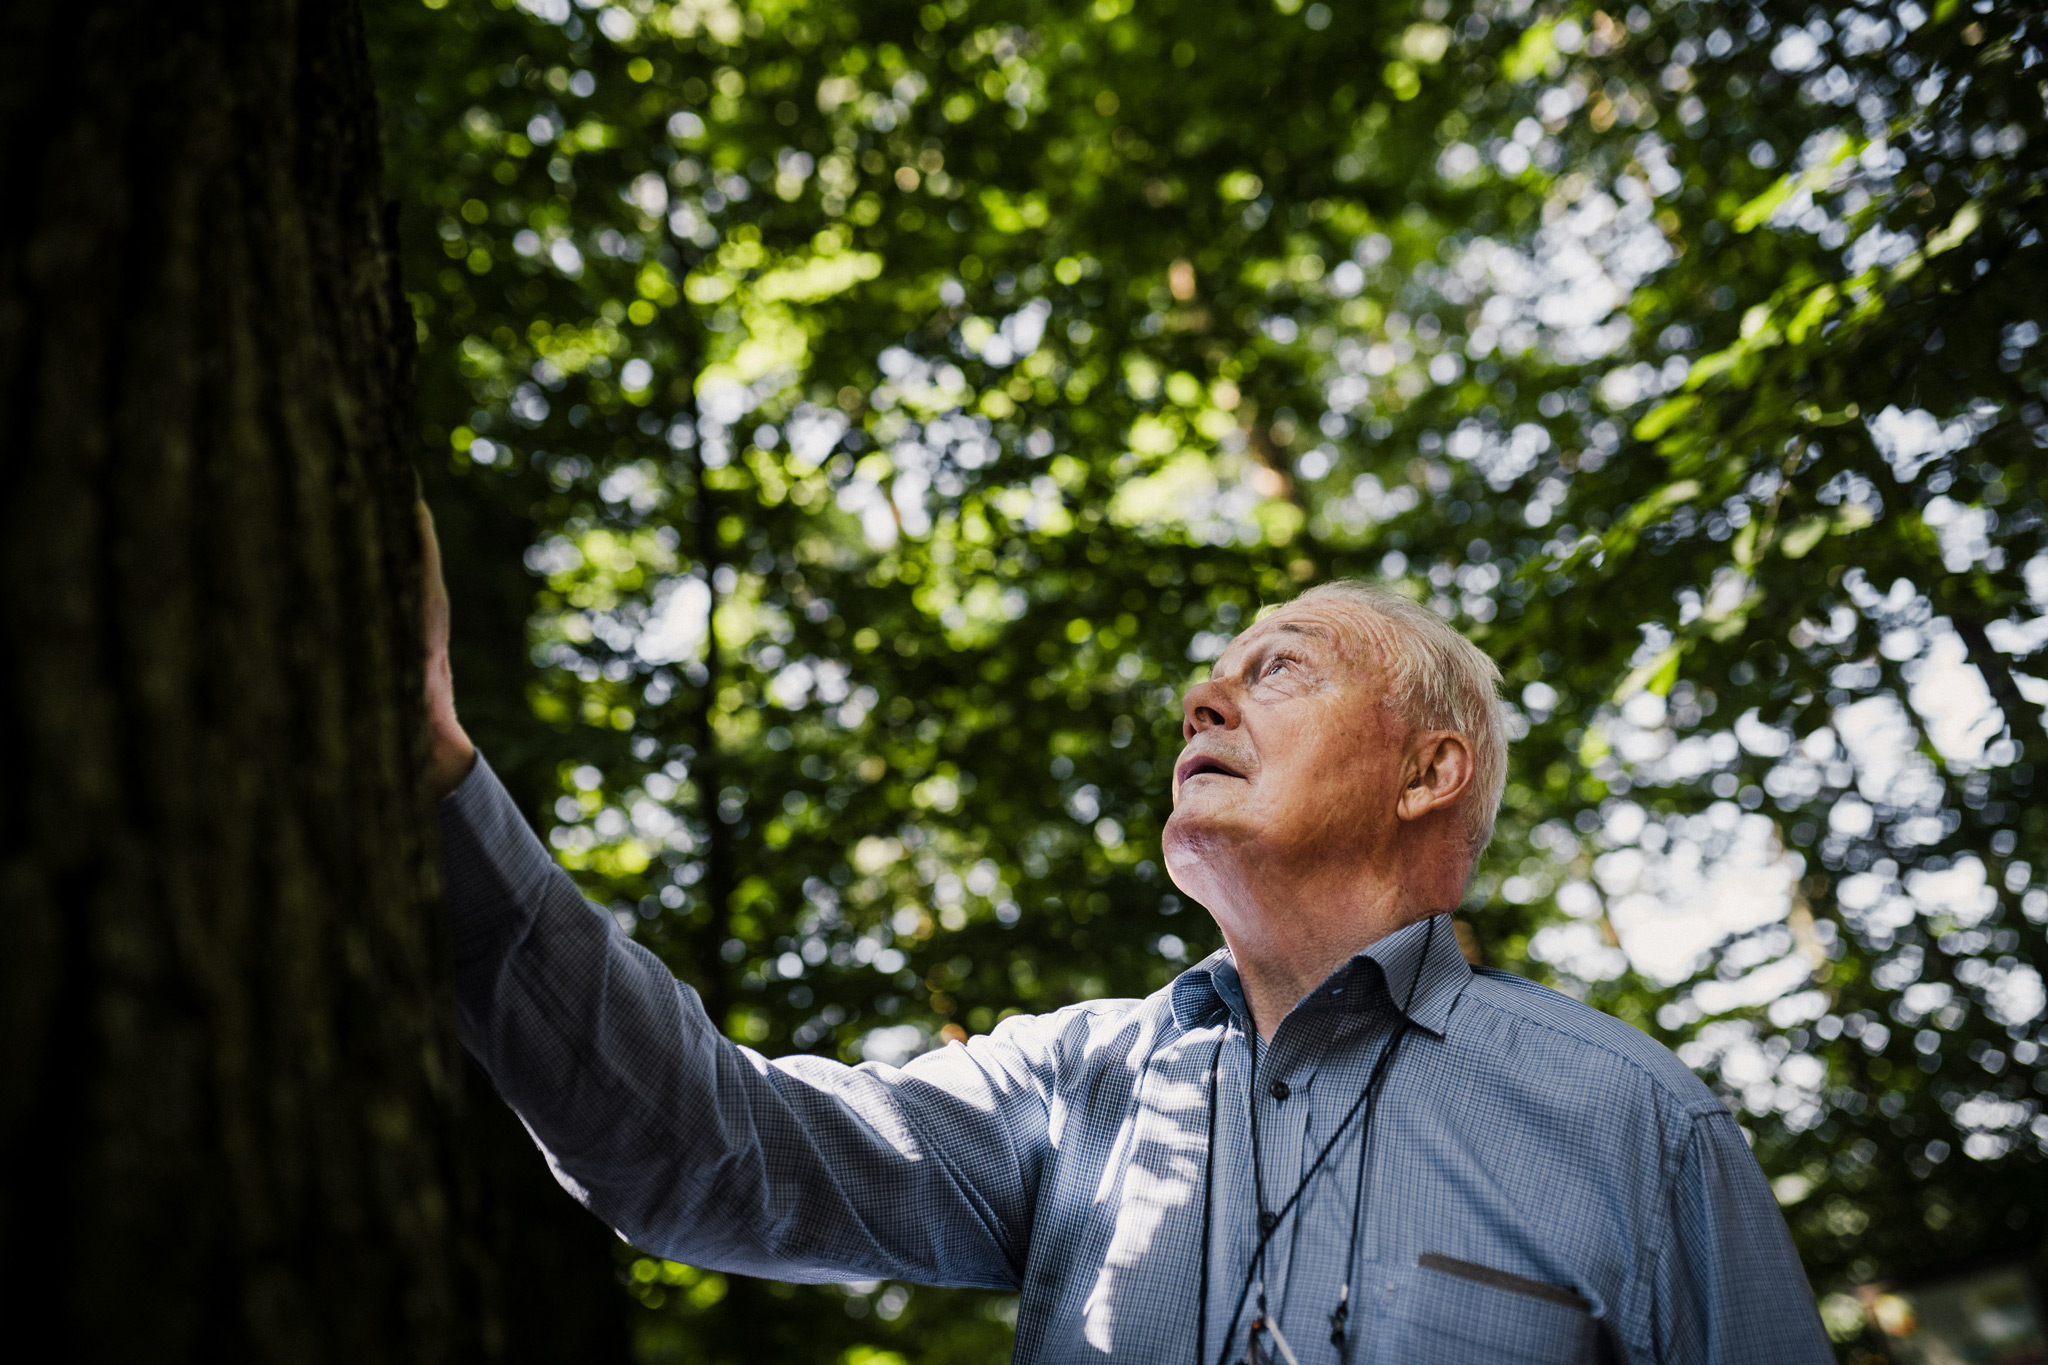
450, 755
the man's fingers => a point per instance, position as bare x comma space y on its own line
451, 753
434, 594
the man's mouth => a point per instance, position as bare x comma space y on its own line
1199, 764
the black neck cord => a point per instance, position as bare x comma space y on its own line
1340, 1316
1270, 1223
1256, 1272
1208, 1190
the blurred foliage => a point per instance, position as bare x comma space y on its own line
898, 406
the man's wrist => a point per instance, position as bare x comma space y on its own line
451, 761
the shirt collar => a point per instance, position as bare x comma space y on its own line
1425, 953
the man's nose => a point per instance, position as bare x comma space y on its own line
1207, 706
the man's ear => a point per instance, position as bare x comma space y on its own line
1439, 774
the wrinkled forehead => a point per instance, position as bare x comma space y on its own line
1340, 631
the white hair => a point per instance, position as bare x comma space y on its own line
1439, 680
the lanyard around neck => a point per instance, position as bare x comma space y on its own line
1269, 1222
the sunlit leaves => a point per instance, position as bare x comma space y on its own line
905, 402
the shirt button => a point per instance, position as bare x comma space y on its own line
1279, 1090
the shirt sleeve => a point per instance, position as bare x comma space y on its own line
1729, 1286
704, 1151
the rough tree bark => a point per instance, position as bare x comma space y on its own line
226, 1080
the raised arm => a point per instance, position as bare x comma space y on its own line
690, 1145
702, 1150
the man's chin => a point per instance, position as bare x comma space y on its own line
1199, 832
1198, 863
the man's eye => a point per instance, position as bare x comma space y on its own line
1277, 666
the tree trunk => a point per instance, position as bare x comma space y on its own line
228, 1081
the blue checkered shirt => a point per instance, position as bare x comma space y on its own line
1542, 1183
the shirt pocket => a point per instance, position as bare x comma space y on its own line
1455, 1313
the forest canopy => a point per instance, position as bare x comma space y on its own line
855, 424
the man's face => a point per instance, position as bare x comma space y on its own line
1289, 754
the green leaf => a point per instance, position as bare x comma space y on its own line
1665, 416
1797, 542
1662, 501
1810, 314
1760, 209
1657, 674
1958, 230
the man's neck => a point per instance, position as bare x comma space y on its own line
1284, 949
1293, 915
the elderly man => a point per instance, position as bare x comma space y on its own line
1331, 1141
